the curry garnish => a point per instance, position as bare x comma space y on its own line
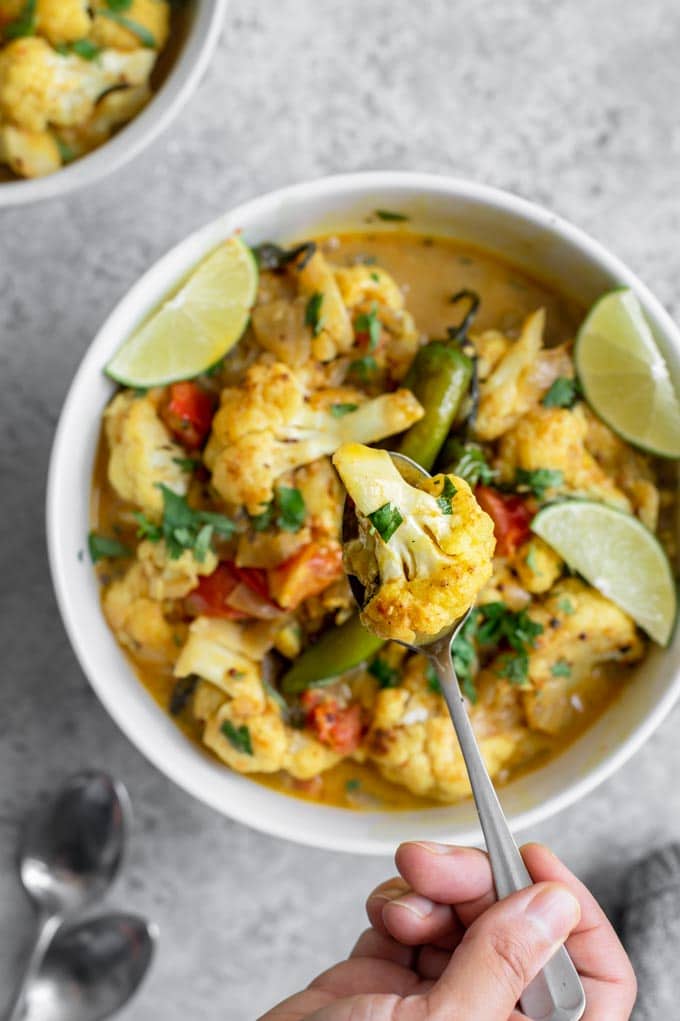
444, 500
238, 737
102, 546
386, 520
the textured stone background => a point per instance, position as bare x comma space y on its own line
572, 104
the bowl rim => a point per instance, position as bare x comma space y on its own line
143, 129
432, 185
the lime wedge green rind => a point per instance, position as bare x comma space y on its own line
196, 325
617, 555
624, 376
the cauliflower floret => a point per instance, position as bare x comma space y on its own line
428, 554
29, 153
142, 454
554, 438
581, 631
267, 426
136, 619
229, 655
153, 16
537, 565
412, 742
628, 468
63, 21
519, 379
332, 331
279, 327
39, 86
361, 283
168, 578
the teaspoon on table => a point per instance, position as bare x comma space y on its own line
90, 969
556, 994
70, 855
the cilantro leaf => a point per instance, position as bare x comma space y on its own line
101, 546
465, 657
238, 737
538, 480
369, 324
291, 507
385, 675
340, 410
119, 5
25, 23
185, 528
386, 520
560, 668
563, 393
363, 367
514, 666
469, 463
390, 215
147, 529
286, 510
85, 49
445, 498
566, 606
187, 464
313, 316
352, 785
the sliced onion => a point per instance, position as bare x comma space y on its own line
244, 599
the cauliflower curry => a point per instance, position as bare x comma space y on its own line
216, 517
71, 73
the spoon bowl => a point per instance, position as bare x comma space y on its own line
556, 994
73, 848
91, 969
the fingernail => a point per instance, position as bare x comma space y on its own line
389, 893
433, 848
419, 906
554, 910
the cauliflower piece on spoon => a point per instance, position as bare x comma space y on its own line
423, 552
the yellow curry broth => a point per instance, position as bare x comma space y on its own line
430, 271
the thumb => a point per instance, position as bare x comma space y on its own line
502, 951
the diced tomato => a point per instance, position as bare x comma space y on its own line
511, 518
210, 597
305, 574
339, 728
189, 413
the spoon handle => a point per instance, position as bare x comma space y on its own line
556, 994
47, 927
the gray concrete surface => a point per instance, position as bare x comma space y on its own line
572, 104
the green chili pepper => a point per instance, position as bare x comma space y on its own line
439, 377
338, 650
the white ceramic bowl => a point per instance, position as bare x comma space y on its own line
527, 235
206, 18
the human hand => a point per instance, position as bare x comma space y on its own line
441, 948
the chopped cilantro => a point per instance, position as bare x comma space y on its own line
183, 527
353, 785
538, 481
560, 668
390, 215
385, 675
375, 277
563, 393
24, 24
369, 324
203, 543
187, 464
119, 5
530, 560
83, 48
386, 520
445, 498
238, 737
286, 510
514, 666
340, 410
66, 153
313, 317
145, 37
100, 546
465, 657
432, 678
182, 692
566, 606
147, 529
469, 463
363, 367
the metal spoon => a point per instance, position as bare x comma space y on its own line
556, 994
91, 969
71, 853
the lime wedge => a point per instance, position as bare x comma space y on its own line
625, 377
196, 325
618, 556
